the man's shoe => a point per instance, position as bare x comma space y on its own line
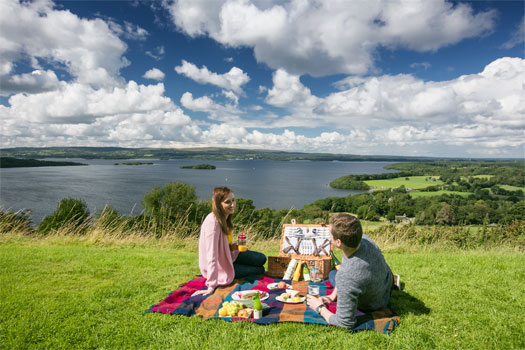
398, 285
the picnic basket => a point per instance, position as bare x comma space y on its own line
310, 244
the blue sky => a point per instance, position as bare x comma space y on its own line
416, 78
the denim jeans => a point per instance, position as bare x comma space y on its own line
249, 263
331, 277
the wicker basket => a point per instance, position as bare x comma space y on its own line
297, 240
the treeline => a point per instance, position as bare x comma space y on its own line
10, 162
210, 153
477, 208
458, 176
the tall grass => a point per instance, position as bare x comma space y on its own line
109, 226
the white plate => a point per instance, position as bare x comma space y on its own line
274, 286
289, 301
238, 295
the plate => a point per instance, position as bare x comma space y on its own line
274, 286
289, 301
240, 296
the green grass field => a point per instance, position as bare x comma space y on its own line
415, 182
512, 188
417, 194
68, 293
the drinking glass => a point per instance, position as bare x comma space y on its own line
313, 290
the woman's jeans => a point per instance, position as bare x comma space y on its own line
249, 263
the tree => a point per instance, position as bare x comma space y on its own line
69, 212
446, 215
171, 201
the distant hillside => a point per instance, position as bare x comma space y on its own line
193, 153
9, 162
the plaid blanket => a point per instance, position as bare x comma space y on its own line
180, 302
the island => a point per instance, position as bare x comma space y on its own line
199, 166
10, 162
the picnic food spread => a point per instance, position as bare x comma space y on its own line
249, 295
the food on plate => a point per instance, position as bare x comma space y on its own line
223, 312
245, 313
282, 285
285, 296
250, 294
297, 299
230, 308
292, 292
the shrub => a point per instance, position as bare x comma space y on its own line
70, 212
171, 201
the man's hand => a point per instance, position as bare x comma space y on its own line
234, 246
204, 292
313, 302
330, 298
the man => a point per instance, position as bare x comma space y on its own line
364, 280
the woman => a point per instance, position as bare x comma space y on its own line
219, 259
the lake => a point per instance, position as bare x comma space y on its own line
273, 184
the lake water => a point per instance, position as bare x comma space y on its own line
273, 184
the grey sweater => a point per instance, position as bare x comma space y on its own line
363, 282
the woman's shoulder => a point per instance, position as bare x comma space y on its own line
210, 220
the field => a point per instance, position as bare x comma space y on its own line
416, 194
414, 182
512, 188
68, 292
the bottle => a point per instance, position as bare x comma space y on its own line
314, 274
306, 273
336, 264
257, 307
241, 242
297, 273
290, 269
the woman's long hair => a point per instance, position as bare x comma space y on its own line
219, 195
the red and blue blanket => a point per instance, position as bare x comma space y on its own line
180, 302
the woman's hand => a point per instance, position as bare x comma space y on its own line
204, 292
234, 246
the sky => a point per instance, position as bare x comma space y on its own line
376, 77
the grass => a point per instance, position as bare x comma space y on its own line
417, 194
512, 188
80, 292
415, 182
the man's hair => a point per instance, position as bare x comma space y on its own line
347, 228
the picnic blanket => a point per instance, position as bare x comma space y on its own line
180, 302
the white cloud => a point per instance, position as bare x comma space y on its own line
420, 65
328, 37
155, 74
157, 54
80, 104
128, 30
232, 80
34, 82
206, 104
88, 49
288, 91
231, 96
518, 36
494, 94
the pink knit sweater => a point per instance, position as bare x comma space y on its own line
215, 258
